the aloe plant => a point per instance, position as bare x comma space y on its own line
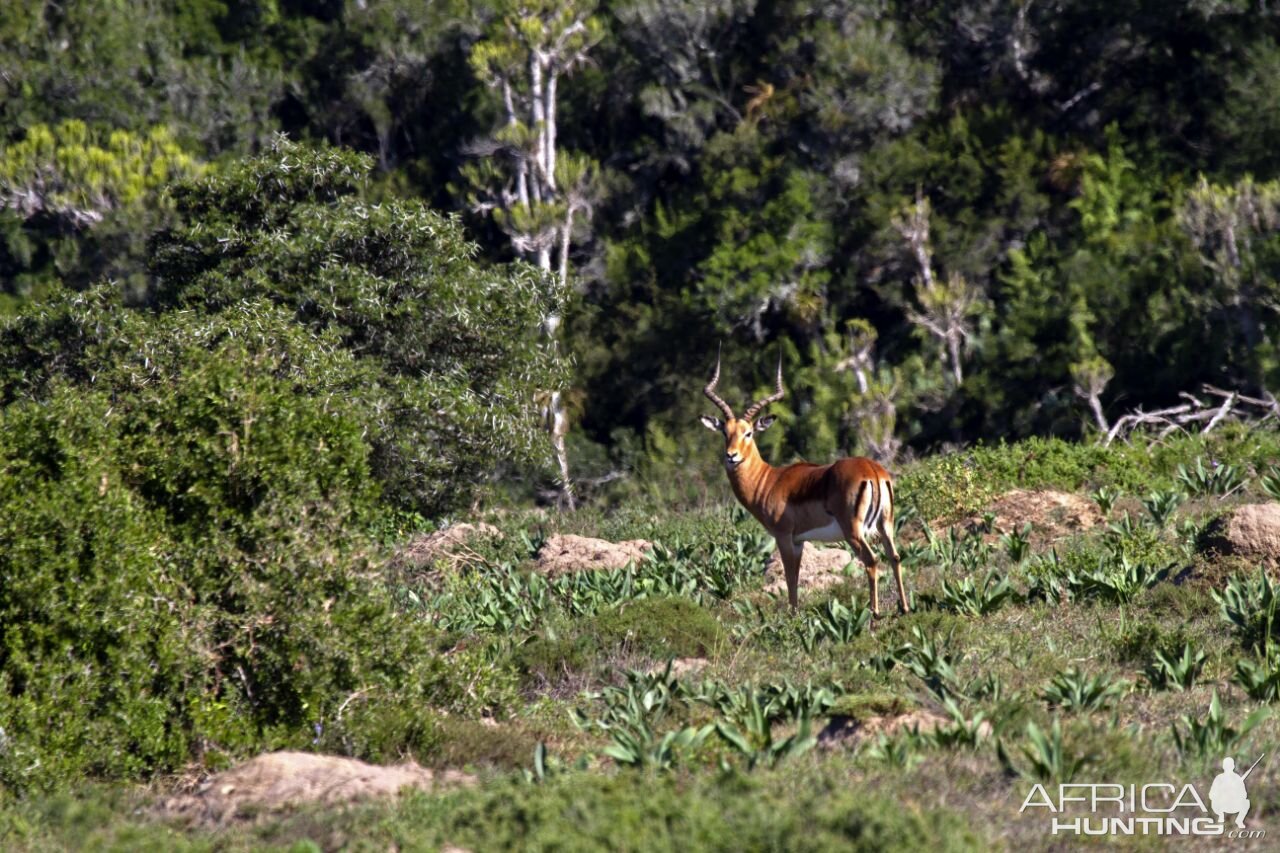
1215, 479
1105, 498
1071, 690
1249, 604
1212, 735
1169, 672
1048, 757
977, 599
749, 730
1162, 505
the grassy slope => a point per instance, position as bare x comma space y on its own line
544, 653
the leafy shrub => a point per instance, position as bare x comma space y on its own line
945, 488
1136, 640
1135, 466
632, 811
179, 571
449, 351
461, 743
659, 627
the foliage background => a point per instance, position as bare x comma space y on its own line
1097, 175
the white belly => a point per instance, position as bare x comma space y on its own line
830, 533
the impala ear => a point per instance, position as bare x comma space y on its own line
713, 424
765, 422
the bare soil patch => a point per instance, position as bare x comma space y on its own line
820, 568
281, 780
680, 667
449, 546
567, 553
1053, 515
850, 733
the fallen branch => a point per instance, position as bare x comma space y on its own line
1197, 414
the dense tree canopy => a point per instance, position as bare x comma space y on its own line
961, 221
445, 354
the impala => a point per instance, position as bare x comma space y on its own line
800, 503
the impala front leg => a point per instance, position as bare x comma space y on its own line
791, 552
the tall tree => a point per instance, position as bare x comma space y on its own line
534, 192
946, 307
77, 203
1231, 227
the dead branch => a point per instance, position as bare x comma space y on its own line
1197, 415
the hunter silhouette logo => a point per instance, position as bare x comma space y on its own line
1227, 795
1157, 808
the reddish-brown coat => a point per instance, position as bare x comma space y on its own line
827, 502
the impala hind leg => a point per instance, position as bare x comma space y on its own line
855, 536
885, 527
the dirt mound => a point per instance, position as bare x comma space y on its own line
448, 546
819, 568
850, 733
279, 780
567, 553
1251, 531
680, 667
1053, 515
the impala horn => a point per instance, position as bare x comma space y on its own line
710, 390
777, 395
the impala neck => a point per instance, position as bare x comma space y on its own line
750, 478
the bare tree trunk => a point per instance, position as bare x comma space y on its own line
550, 46
550, 141
538, 108
522, 163
1095, 404
954, 339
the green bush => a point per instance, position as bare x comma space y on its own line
179, 576
660, 627
636, 811
455, 348
945, 488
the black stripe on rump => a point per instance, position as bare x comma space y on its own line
857, 501
873, 507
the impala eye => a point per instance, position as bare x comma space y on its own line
747, 434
